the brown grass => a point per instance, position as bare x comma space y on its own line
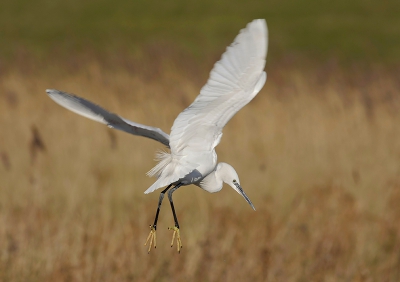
317, 151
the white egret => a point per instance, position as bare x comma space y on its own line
234, 81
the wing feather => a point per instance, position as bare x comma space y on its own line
234, 81
94, 112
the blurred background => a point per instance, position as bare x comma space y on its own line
317, 151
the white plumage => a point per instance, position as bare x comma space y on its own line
234, 81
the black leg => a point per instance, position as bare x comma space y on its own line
152, 236
176, 227
159, 206
172, 203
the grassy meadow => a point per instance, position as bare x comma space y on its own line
317, 151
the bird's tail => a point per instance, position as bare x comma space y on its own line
162, 171
163, 158
169, 170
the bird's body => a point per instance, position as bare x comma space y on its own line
170, 167
234, 81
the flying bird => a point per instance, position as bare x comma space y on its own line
234, 81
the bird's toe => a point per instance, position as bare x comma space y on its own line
151, 238
176, 235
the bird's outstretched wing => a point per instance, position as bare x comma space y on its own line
92, 111
234, 81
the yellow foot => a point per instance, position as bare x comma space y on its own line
178, 238
151, 237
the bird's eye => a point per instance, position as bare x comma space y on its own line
234, 180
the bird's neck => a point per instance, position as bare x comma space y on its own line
211, 183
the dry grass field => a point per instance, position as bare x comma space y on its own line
317, 151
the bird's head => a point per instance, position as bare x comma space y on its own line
228, 175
